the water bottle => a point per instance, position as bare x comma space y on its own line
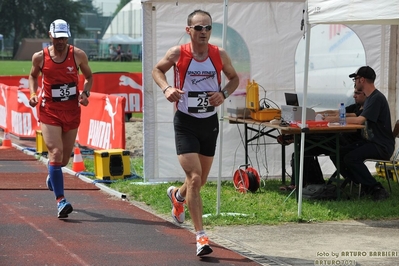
342, 115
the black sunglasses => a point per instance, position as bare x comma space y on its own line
200, 27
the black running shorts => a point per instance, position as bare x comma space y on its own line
195, 135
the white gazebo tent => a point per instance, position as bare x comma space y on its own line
122, 39
126, 41
364, 12
271, 31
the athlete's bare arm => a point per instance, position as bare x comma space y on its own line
229, 72
37, 63
83, 62
158, 73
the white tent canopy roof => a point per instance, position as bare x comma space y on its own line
353, 12
122, 39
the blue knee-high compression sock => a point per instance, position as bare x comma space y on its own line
57, 179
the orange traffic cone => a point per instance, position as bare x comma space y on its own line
6, 140
78, 165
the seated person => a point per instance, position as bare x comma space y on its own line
345, 138
351, 110
377, 141
112, 52
119, 53
129, 55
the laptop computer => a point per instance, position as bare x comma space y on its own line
291, 99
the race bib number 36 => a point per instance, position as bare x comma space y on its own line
198, 102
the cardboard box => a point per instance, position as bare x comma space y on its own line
291, 113
112, 164
40, 145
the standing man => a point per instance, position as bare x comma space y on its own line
59, 102
377, 139
196, 93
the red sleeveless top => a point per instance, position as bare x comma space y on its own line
197, 78
60, 82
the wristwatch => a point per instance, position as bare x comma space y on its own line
87, 93
225, 94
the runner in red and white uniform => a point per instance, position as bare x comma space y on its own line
196, 92
59, 102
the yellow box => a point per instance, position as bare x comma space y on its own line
379, 167
266, 114
40, 145
112, 164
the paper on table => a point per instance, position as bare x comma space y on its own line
331, 124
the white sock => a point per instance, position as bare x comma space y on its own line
179, 197
200, 234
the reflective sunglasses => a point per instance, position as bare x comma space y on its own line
200, 27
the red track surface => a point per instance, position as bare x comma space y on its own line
102, 229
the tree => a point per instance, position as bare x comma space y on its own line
89, 7
121, 4
31, 19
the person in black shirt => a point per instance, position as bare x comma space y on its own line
377, 140
354, 109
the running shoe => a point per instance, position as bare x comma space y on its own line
203, 247
48, 183
178, 207
379, 193
64, 208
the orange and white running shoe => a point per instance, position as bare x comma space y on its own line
203, 247
178, 207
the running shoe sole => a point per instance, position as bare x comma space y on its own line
67, 209
204, 250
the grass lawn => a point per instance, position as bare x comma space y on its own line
20, 68
267, 206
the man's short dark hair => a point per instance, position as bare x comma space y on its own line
191, 15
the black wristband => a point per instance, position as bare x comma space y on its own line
225, 94
164, 90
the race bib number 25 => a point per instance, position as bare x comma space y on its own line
198, 102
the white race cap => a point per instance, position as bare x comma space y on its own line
60, 29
